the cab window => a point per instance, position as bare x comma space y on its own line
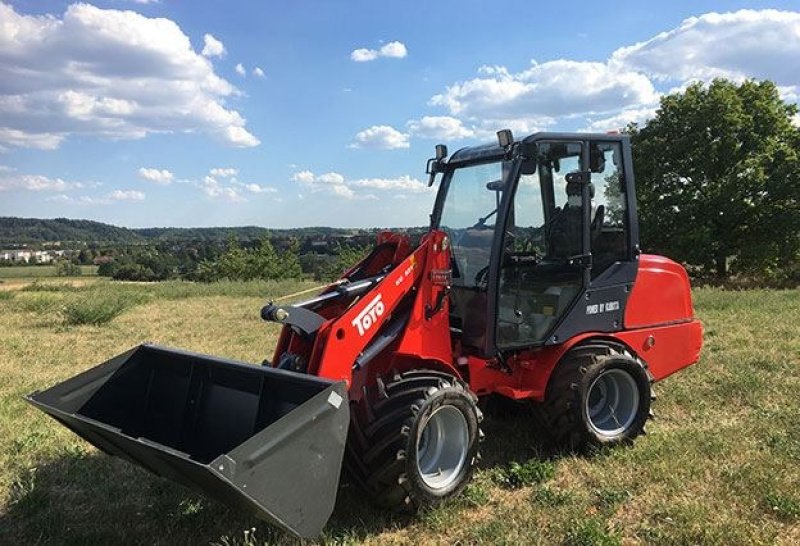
609, 225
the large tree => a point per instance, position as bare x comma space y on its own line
718, 177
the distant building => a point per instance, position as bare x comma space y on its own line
30, 256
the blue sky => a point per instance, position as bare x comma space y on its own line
288, 114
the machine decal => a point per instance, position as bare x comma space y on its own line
597, 308
366, 318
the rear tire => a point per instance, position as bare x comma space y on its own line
414, 439
599, 394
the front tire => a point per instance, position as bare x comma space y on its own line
414, 439
599, 394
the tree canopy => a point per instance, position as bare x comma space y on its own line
718, 178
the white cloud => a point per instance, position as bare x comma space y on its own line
303, 177
215, 190
550, 89
221, 183
363, 55
336, 184
402, 184
743, 44
392, 50
796, 120
36, 182
443, 127
333, 179
486, 129
24, 139
621, 120
258, 72
158, 176
126, 195
241, 70
331, 182
110, 74
212, 47
245, 186
107, 199
342, 191
383, 137
145, 2
223, 172
239, 136
256, 188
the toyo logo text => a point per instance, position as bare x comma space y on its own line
369, 315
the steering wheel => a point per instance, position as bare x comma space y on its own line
481, 277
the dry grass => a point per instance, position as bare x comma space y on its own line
721, 464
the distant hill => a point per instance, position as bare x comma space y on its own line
32, 231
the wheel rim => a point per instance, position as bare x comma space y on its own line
442, 447
612, 402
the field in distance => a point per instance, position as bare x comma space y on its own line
39, 271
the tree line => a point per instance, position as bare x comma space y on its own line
235, 260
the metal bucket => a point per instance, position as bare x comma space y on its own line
264, 440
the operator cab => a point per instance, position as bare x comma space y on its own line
543, 238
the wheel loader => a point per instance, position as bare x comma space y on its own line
529, 285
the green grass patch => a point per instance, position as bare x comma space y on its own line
531, 472
37, 286
39, 303
6, 295
591, 532
782, 506
550, 497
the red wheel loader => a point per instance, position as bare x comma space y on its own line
529, 285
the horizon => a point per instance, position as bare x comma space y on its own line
152, 113
220, 226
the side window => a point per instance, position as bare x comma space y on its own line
609, 227
525, 229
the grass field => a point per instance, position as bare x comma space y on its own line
39, 271
720, 465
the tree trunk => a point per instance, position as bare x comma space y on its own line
721, 261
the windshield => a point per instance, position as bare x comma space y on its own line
469, 216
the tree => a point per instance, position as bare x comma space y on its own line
718, 177
66, 268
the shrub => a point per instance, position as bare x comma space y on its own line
65, 268
99, 310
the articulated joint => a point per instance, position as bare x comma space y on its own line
306, 321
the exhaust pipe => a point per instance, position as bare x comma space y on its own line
267, 441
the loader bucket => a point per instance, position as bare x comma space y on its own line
264, 440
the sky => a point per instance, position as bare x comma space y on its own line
145, 113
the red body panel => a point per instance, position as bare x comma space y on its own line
660, 295
427, 338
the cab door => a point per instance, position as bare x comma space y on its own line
542, 271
